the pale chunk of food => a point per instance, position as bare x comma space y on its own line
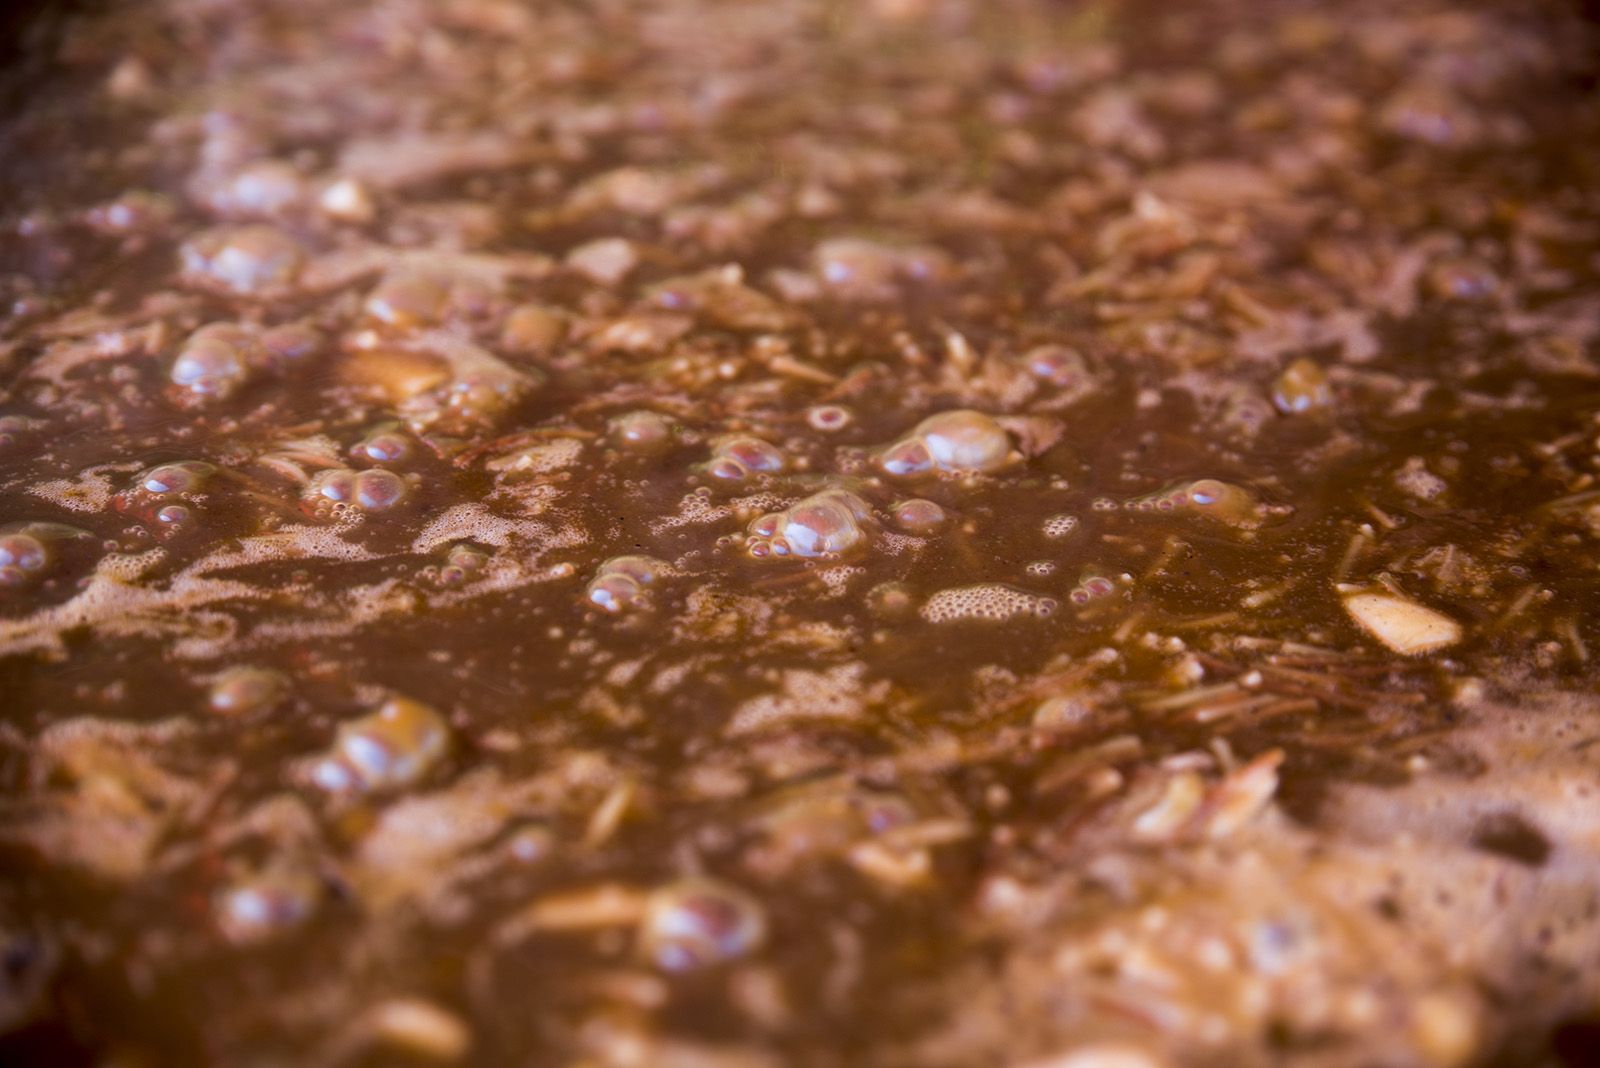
1406, 627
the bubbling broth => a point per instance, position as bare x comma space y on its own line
911, 532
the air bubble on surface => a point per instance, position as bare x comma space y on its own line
385, 445
918, 516
1091, 587
262, 189
260, 906
620, 582
388, 749
247, 260
243, 690
829, 418
215, 362
641, 431
825, 524
22, 559
1211, 498
1058, 366
29, 550
372, 490
408, 299
179, 477
986, 601
740, 456
700, 922
955, 442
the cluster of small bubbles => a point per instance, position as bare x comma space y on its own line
1302, 387
620, 582
407, 300
643, 431
1057, 365
372, 490
740, 456
1059, 526
246, 260
700, 922
1209, 497
389, 749
470, 402
1092, 587
918, 515
180, 477
1042, 568
385, 445
27, 550
215, 362
243, 690
267, 903
986, 601
1104, 504
829, 417
960, 441
461, 563
825, 524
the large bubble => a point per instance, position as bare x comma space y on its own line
959, 441
246, 260
825, 524
620, 583
389, 749
215, 361
699, 922
740, 456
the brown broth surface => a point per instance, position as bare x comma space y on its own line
901, 533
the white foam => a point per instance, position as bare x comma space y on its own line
989, 601
91, 491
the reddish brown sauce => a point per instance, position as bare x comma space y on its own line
911, 532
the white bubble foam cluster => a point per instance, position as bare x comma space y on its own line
694, 509
540, 459
1059, 526
473, 522
91, 491
839, 692
987, 600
